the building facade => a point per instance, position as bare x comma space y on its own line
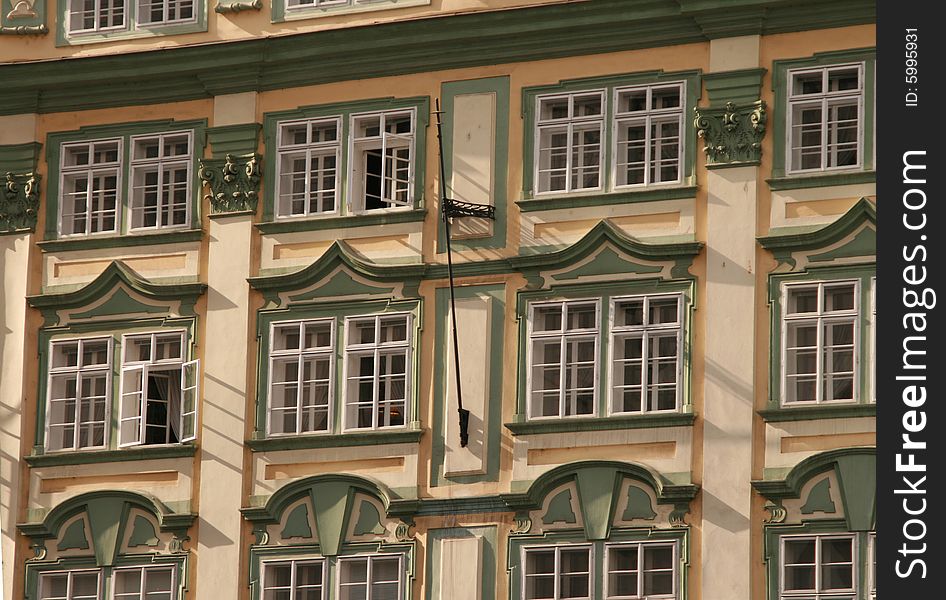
227, 364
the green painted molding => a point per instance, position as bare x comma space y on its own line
642, 421
819, 499
499, 87
732, 135
90, 457
50, 525
19, 158
117, 274
816, 413
233, 139
297, 523
739, 87
801, 182
233, 182
430, 507
606, 233
638, 505
123, 241
783, 245
790, 486
297, 224
560, 509
142, 533
622, 197
411, 46
341, 440
780, 69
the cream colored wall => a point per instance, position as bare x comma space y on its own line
244, 25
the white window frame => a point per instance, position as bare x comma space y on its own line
145, 367
370, 558
557, 573
78, 370
872, 565
301, 354
569, 122
648, 116
310, 149
90, 171
293, 563
815, 594
872, 323
166, 8
823, 99
532, 336
142, 595
377, 347
126, 18
675, 573
69, 591
645, 332
160, 163
355, 202
819, 318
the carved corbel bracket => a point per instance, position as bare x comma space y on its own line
19, 202
732, 135
233, 182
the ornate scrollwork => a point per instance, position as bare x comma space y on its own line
177, 542
777, 513
677, 516
24, 30
235, 7
234, 182
404, 530
19, 202
262, 536
39, 551
523, 524
732, 135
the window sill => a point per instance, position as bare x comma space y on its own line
282, 12
798, 182
812, 413
127, 32
602, 423
106, 456
121, 241
607, 198
344, 222
340, 440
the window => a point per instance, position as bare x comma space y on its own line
160, 176
643, 337
825, 118
564, 347
70, 585
120, 16
90, 178
557, 573
649, 144
620, 138
158, 391
304, 9
369, 578
96, 15
143, 583
381, 160
377, 352
94, 198
294, 580
646, 340
308, 156
302, 360
872, 575
645, 571
569, 130
821, 337
79, 395
819, 567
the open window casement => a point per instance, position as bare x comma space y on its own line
190, 388
131, 424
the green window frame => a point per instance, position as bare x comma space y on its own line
134, 24
38, 573
346, 211
606, 298
784, 175
862, 317
125, 136
292, 10
118, 335
861, 563
613, 93
262, 557
340, 355
602, 577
